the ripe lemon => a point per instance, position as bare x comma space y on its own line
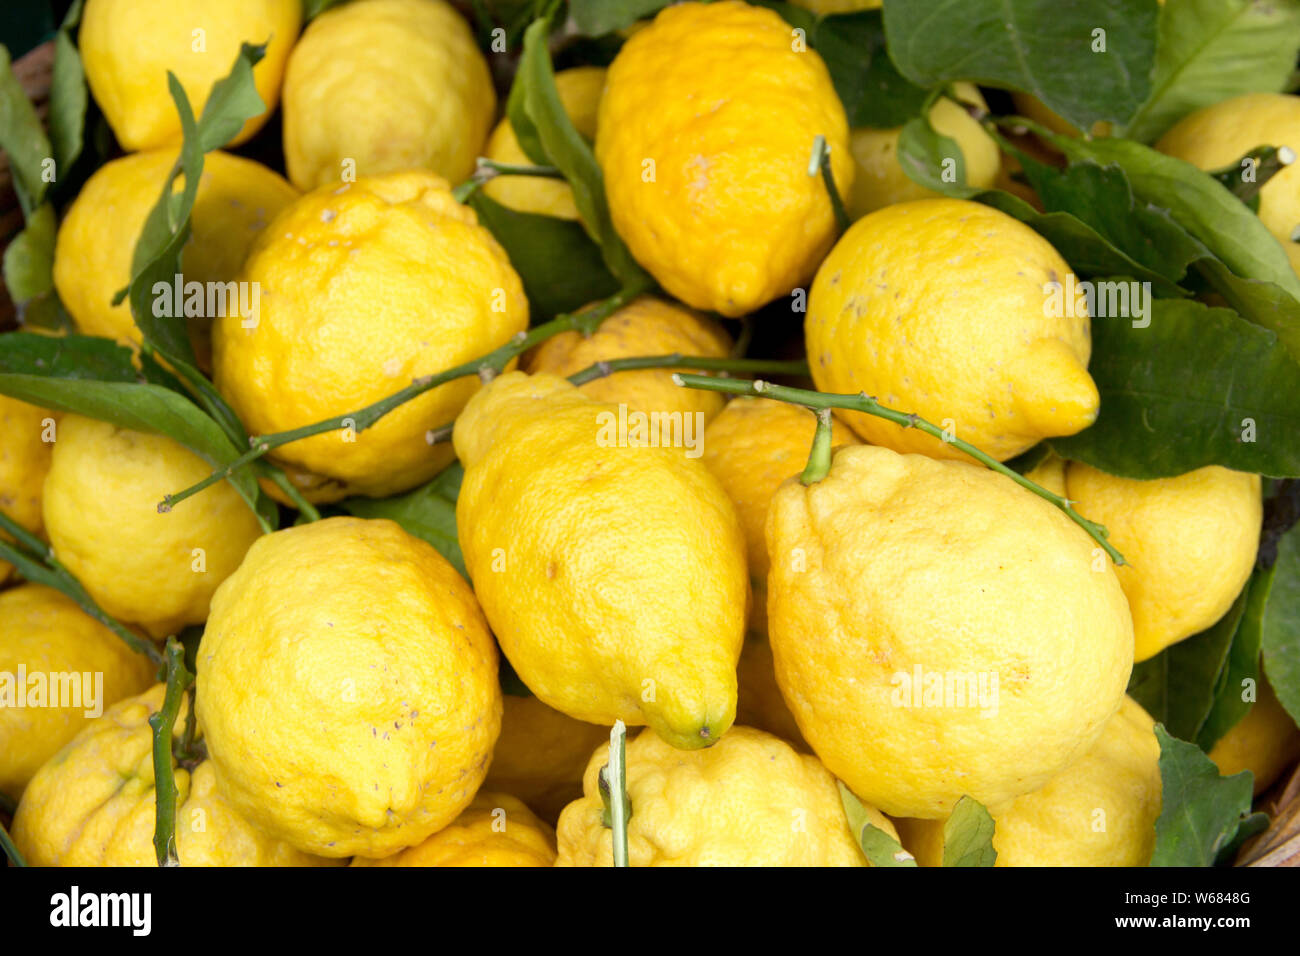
1189, 544
78, 666
93, 803
494, 830
751, 800
704, 135
236, 199
1220, 135
101, 512
128, 47
647, 326
612, 572
939, 631
347, 687
1265, 741
939, 307
1099, 811
380, 86
367, 286
579, 90
24, 461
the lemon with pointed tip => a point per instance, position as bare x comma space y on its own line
494, 830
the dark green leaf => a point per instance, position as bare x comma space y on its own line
878, 847
522, 124
29, 259
932, 159
874, 93
1281, 625
313, 8
798, 17
68, 94
1042, 47
1201, 812
23, 138
1241, 410
1027, 461
595, 18
1242, 664
968, 835
428, 512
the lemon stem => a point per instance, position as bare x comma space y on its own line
179, 680
821, 160
819, 458
613, 791
868, 405
486, 170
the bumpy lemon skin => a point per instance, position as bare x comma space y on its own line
24, 461
45, 633
367, 286
1099, 811
1220, 135
92, 804
879, 180
580, 89
1266, 741
939, 307
379, 86
541, 754
128, 46
1189, 544
751, 800
704, 134
495, 830
565, 532
897, 562
101, 512
342, 726
645, 326
236, 199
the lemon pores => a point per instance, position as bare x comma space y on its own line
347, 688
751, 800
24, 461
646, 326
148, 568
704, 135
939, 631
938, 307
378, 86
128, 46
367, 286
92, 804
1266, 741
78, 666
1189, 544
579, 90
567, 525
236, 199
494, 830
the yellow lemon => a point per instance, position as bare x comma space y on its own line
367, 286
1099, 811
579, 90
494, 830
879, 180
51, 648
704, 135
751, 800
939, 631
24, 461
92, 804
567, 526
128, 47
647, 326
1265, 741
92, 261
1189, 544
939, 307
380, 86
347, 687
101, 512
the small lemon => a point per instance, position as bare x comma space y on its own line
24, 461
940, 631
1189, 544
705, 132
568, 527
939, 307
101, 511
347, 688
1266, 741
380, 86
128, 47
494, 830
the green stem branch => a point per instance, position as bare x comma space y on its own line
163, 723
819, 458
613, 790
821, 161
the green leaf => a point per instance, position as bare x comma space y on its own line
797, 17
1241, 410
932, 159
23, 138
595, 18
68, 94
29, 259
1201, 813
1242, 665
878, 847
874, 93
561, 267
1043, 47
1280, 636
522, 124
233, 100
1213, 50
314, 8
428, 512
968, 835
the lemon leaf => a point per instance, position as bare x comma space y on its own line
1242, 664
23, 138
69, 97
29, 258
595, 18
1280, 630
872, 90
968, 835
877, 846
